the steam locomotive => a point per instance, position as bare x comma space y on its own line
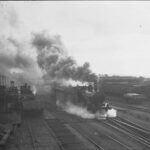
85, 97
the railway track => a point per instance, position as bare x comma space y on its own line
132, 107
123, 146
88, 131
133, 124
77, 128
131, 131
95, 135
55, 136
32, 137
142, 134
38, 135
65, 138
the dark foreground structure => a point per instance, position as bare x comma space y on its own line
11, 106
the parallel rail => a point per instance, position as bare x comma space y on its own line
89, 139
140, 133
65, 138
32, 136
133, 124
132, 107
117, 141
55, 137
75, 124
130, 132
140, 130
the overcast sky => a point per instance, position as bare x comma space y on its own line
113, 36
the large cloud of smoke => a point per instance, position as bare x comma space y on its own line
54, 61
16, 63
39, 60
17, 58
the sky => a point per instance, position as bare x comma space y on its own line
114, 37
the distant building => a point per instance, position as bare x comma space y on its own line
118, 85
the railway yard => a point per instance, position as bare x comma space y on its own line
58, 130
74, 76
71, 118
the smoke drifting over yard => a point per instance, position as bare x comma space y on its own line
40, 60
16, 61
53, 59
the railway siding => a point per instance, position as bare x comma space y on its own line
135, 141
61, 131
33, 135
89, 132
66, 138
140, 135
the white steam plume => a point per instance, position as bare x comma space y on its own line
77, 110
112, 113
84, 113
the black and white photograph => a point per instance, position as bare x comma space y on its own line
75, 75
